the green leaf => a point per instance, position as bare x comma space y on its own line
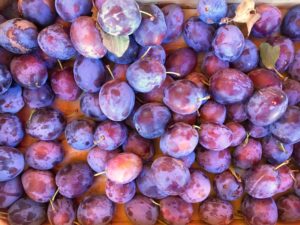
269, 55
115, 44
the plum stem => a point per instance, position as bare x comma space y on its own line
282, 164
53, 199
76, 223
162, 222
281, 147
196, 127
98, 141
99, 174
3, 213
235, 174
279, 74
146, 52
60, 64
110, 72
147, 14
204, 98
155, 203
247, 139
31, 114
139, 100
173, 73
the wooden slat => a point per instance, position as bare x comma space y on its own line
193, 3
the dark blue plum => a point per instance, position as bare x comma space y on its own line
46, 124
11, 163
5, 79
266, 106
216, 211
120, 193
229, 43
118, 17
288, 208
249, 58
86, 38
29, 71
228, 187
198, 35
152, 31
262, 181
138, 145
39, 12
238, 133
61, 212
128, 57
237, 112
287, 52
184, 97
287, 128
170, 175
145, 74
44, 155
74, 179
290, 25
275, 151
38, 185
269, 22
12, 100
124, 168
116, 100
110, 135
147, 186
174, 17
179, 140
10, 191
141, 210
247, 155
294, 69
151, 119
263, 78
257, 131
214, 161
55, 42
181, 61
259, 211
89, 74
292, 90
212, 11
80, 134
212, 64
175, 210
26, 211
18, 36
198, 188
230, 86
11, 130
39, 98
156, 52
97, 158
69, 10
97, 209
212, 112
64, 86
89, 106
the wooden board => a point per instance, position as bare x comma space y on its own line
193, 3
70, 110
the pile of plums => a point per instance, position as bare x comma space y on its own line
208, 123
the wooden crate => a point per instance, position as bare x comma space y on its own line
71, 111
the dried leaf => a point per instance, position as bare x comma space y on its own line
115, 44
243, 11
269, 55
252, 20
